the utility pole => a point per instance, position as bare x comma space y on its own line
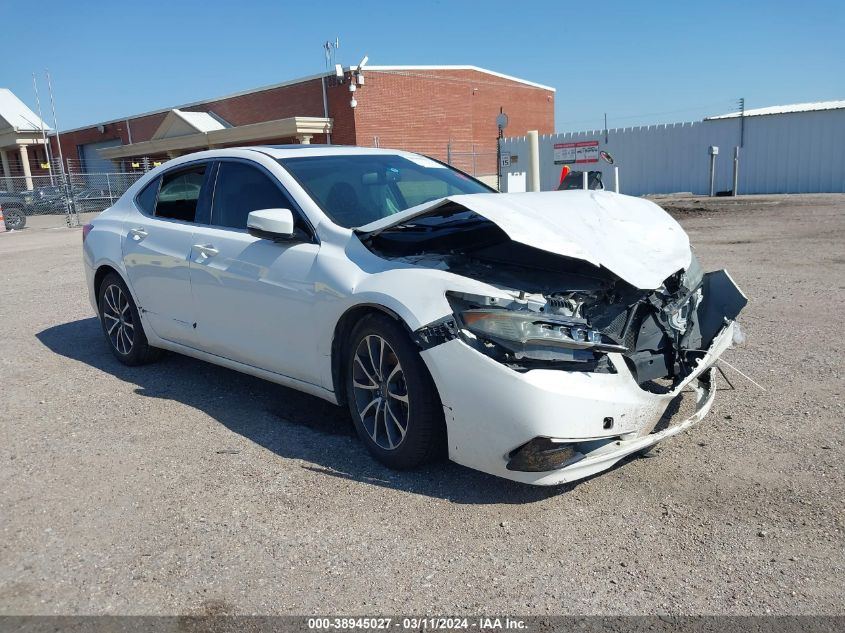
47, 153
501, 123
735, 191
70, 207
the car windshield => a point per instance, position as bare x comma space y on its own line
356, 189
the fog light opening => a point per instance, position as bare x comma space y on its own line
543, 454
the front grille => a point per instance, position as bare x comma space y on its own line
614, 328
633, 329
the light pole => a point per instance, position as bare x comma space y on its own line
501, 123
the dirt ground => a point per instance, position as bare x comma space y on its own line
184, 488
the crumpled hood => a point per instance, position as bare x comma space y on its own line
632, 237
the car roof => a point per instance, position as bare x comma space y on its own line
292, 151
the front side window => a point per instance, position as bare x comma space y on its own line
179, 194
241, 189
356, 189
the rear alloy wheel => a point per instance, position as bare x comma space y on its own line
392, 399
122, 325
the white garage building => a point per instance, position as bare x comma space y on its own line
785, 149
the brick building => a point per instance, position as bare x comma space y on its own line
448, 112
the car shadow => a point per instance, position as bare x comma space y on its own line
291, 424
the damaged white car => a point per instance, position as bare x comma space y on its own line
535, 336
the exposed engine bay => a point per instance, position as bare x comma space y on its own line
565, 313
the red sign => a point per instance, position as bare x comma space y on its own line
587, 152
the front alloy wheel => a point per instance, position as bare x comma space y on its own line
380, 392
392, 398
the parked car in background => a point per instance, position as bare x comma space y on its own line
539, 337
54, 199
575, 180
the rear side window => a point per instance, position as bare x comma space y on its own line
179, 194
146, 200
241, 189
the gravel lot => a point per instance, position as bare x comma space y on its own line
186, 488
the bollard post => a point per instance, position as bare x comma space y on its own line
533, 161
616, 179
585, 180
736, 172
714, 151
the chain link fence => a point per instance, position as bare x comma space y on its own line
473, 159
69, 194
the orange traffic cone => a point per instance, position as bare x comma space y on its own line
2, 220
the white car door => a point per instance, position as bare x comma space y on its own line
254, 297
157, 249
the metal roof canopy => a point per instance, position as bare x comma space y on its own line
173, 138
18, 124
783, 109
178, 123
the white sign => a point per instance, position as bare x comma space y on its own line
516, 182
564, 153
506, 159
580, 152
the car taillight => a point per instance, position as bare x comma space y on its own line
86, 230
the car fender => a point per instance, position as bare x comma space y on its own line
415, 296
106, 240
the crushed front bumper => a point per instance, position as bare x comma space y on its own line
492, 410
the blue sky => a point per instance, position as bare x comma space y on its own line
641, 62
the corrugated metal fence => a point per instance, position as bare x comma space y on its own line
786, 153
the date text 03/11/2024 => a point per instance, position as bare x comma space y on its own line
411, 623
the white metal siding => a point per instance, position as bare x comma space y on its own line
802, 152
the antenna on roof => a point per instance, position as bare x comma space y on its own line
329, 48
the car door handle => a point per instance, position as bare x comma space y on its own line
206, 250
138, 233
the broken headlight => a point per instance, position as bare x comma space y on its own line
524, 338
531, 329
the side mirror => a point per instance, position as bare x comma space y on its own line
271, 224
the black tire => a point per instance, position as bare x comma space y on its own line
121, 324
424, 439
14, 218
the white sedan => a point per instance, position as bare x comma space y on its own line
535, 336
